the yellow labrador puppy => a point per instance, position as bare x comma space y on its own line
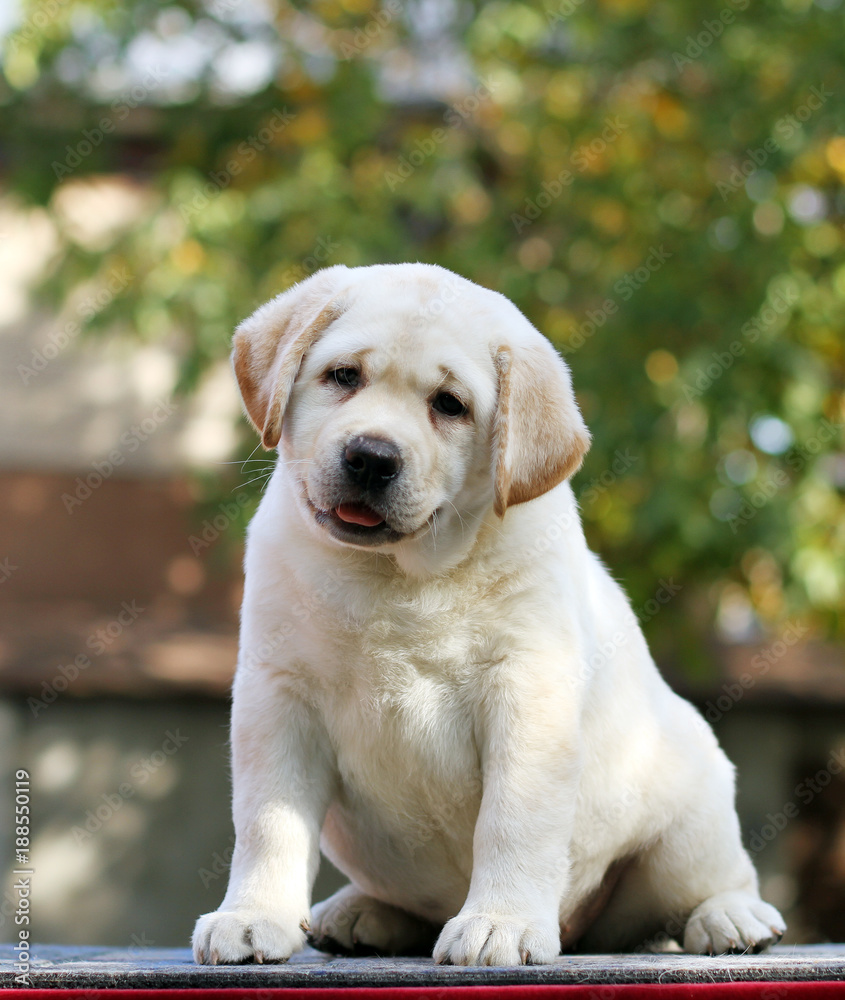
438, 682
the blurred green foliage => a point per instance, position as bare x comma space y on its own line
657, 185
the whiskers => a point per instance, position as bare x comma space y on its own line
260, 469
461, 516
263, 477
455, 509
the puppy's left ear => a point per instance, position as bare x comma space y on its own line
540, 436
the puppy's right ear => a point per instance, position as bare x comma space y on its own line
268, 348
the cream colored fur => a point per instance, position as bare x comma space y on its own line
466, 717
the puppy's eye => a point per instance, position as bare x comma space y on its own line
448, 405
347, 377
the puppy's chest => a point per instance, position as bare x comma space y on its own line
385, 641
401, 685
399, 693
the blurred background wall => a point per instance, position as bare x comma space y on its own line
658, 186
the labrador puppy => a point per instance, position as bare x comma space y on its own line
438, 682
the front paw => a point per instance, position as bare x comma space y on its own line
491, 939
229, 937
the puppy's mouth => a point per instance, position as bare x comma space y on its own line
359, 513
356, 524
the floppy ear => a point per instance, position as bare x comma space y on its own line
268, 348
539, 433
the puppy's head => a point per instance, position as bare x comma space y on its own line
406, 401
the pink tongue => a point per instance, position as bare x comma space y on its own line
355, 513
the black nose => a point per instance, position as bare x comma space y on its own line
371, 462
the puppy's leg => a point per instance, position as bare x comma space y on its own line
530, 763
281, 781
696, 883
351, 921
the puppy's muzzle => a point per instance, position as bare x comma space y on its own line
371, 463
360, 499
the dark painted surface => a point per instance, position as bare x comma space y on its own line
98, 968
